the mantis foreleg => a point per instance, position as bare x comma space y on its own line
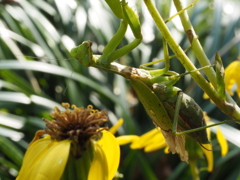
176, 114
145, 66
84, 53
129, 18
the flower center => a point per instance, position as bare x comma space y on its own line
79, 125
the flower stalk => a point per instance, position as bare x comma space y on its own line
228, 106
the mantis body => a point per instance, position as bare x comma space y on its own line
169, 108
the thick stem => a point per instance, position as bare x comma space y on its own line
231, 109
197, 48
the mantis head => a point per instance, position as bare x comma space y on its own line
83, 53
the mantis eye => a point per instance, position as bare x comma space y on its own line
74, 51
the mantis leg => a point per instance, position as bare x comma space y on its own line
179, 12
129, 18
173, 76
205, 127
84, 53
176, 112
145, 66
157, 73
114, 42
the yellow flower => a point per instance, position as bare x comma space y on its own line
124, 139
154, 140
121, 140
232, 77
75, 146
222, 142
150, 141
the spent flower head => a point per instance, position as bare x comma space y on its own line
79, 125
75, 146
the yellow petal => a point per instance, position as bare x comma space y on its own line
205, 96
231, 76
111, 149
144, 139
238, 88
122, 140
206, 117
222, 141
209, 130
166, 150
33, 152
155, 146
209, 155
114, 128
156, 142
99, 166
45, 160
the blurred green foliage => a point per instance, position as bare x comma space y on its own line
31, 87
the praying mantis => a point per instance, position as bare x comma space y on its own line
176, 113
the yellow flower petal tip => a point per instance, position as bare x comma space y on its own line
222, 141
126, 139
205, 96
155, 146
206, 117
232, 77
207, 150
150, 141
42, 155
110, 147
99, 166
114, 128
166, 150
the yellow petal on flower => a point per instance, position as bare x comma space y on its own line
205, 96
99, 166
222, 141
238, 86
33, 152
114, 128
144, 139
122, 140
166, 150
45, 160
209, 130
206, 117
111, 149
156, 142
47, 137
232, 76
155, 146
209, 155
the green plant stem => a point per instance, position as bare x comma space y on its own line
194, 169
232, 109
197, 48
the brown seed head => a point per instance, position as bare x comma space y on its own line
79, 125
